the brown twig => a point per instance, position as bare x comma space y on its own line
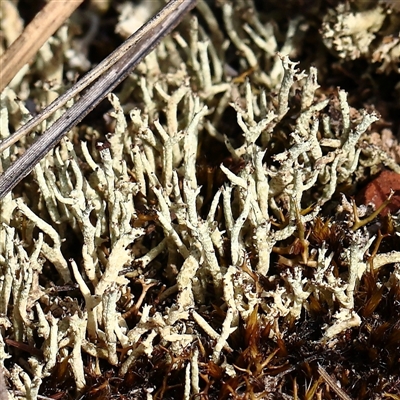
45, 23
333, 385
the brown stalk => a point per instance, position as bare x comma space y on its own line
333, 385
45, 23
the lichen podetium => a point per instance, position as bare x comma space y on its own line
198, 237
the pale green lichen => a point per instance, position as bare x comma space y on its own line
95, 199
364, 30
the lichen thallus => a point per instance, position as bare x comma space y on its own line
109, 73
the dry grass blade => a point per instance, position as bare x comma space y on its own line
114, 70
333, 385
45, 23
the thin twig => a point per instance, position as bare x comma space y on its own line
115, 69
43, 25
333, 385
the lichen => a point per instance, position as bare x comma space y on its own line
207, 205
364, 30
